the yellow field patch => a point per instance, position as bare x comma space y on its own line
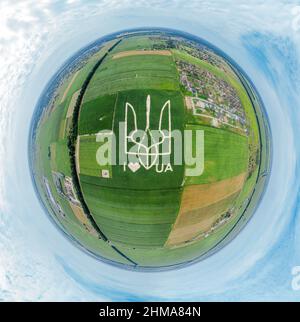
72, 104
77, 155
62, 129
196, 223
189, 103
82, 218
201, 206
65, 123
142, 52
68, 87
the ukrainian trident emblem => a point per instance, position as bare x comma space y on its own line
147, 147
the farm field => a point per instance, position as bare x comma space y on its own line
133, 72
226, 155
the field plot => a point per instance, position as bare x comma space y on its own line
125, 178
125, 206
226, 155
137, 43
88, 165
141, 218
201, 205
133, 72
60, 157
142, 52
68, 87
97, 115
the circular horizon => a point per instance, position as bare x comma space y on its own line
232, 118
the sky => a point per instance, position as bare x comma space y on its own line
36, 262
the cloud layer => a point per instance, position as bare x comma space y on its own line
37, 263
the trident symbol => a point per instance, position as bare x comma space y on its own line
160, 139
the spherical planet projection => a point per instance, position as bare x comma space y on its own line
150, 149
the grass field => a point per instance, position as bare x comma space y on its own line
226, 155
135, 217
97, 114
133, 72
142, 53
137, 43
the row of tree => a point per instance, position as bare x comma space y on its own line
72, 139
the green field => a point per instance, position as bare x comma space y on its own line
97, 114
133, 217
137, 43
133, 72
226, 155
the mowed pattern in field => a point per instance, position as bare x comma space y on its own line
133, 208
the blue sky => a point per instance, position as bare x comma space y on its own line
37, 262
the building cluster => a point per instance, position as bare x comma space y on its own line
64, 186
55, 206
211, 95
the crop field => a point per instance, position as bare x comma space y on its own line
137, 43
201, 205
127, 179
61, 157
135, 217
226, 155
97, 114
142, 52
198, 222
133, 72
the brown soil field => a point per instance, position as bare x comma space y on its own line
142, 52
80, 215
201, 205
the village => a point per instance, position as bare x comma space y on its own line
211, 97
